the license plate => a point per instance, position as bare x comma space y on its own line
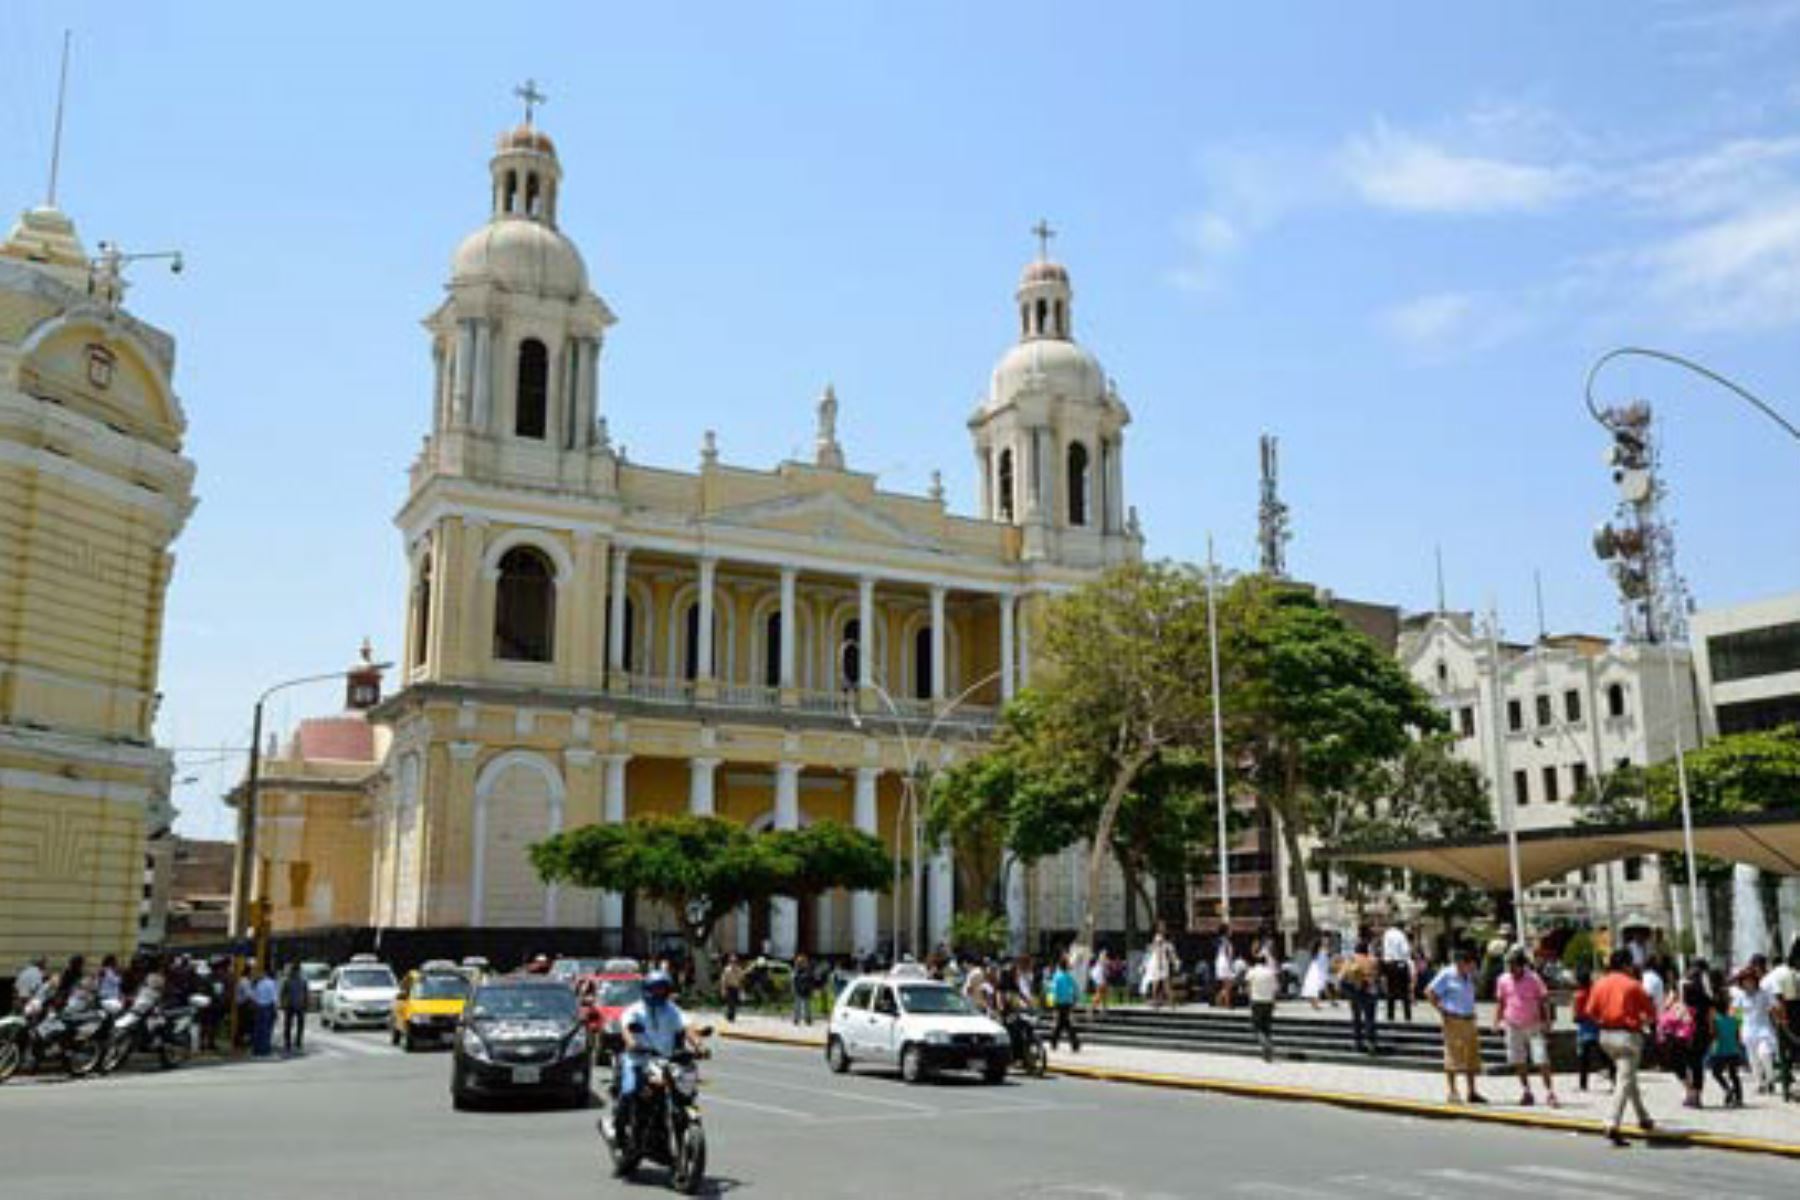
525, 1074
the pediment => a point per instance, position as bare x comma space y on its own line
825, 516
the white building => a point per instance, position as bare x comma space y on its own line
1747, 661
1572, 708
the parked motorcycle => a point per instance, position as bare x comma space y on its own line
75, 1035
663, 1121
149, 1025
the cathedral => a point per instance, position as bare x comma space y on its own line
589, 639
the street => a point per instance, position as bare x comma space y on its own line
357, 1118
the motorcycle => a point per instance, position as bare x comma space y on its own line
1028, 1052
663, 1122
150, 1025
76, 1034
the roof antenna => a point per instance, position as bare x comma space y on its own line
1442, 607
1537, 582
62, 92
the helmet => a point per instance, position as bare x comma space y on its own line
657, 986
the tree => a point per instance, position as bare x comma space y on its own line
1311, 703
1126, 660
703, 867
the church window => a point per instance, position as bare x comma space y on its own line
1006, 485
422, 611
525, 607
533, 402
1043, 309
630, 635
922, 663
534, 201
850, 658
1078, 484
1615, 700
692, 665
1062, 327
772, 651
512, 193
1024, 320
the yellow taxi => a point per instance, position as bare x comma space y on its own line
429, 1005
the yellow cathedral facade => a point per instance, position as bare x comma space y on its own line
589, 639
93, 490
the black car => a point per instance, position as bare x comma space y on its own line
521, 1036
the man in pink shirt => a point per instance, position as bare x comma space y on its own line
1523, 1012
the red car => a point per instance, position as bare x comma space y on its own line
604, 998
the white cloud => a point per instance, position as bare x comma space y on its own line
1739, 272
1721, 178
1396, 170
1448, 325
1248, 189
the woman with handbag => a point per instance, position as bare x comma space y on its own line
1684, 1030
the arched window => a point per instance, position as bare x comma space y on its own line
1043, 311
630, 634
531, 407
850, 658
1024, 320
772, 651
512, 192
1615, 700
533, 199
422, 610
525, 607
1078, 484
1062, 324
922, 680
1005, 506
691, 668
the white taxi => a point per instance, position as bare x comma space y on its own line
359, 994
918, 1025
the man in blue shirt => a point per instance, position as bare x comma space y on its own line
653, 1027
1452, 993
1064, 992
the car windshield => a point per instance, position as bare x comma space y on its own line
314, 971
573, 968
617, 993
524, 1004
923, 998
366, 977
441, 987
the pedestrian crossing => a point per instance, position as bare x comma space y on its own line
1667, 1179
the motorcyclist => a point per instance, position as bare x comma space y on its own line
654, 1026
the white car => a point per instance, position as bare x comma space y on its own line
916, 1024
359, 994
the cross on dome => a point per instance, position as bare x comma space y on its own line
1043, 233
529, 93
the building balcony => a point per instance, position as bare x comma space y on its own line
750, 698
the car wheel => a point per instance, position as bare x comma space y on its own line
912, 1064
994, 1071
836, 1056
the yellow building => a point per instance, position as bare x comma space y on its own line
590, 639
313, 826
93, 489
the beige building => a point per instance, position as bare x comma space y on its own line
93, 489
590, 639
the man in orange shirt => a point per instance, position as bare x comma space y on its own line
1621, 1007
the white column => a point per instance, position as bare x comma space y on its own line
943, 899
863, 904
463, 384
700, 785
704, 659
615, 633
1008, 684
790, 624
612, 811
1116, 483
938, 690
1024, 632
484, 377
784, 925
865, 624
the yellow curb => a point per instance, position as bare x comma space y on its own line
1363, 1102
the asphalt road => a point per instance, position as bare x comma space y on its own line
355, 1118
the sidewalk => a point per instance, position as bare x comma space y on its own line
1765, 1124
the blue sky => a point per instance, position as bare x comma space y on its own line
1393, 235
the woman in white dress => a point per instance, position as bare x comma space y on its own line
1755, 1008
1318, 974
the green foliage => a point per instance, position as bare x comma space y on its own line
1581, 952
982, 934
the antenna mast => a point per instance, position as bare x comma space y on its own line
62, 92
1272, 515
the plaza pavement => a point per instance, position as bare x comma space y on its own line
1765, 1123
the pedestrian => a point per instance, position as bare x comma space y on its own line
1223, 974
1396, 970
1263, 982
293, 1011
803, 990
1318, 975
1587, 1030
1522, 1013
1755, 1009
1783, 985
1452, 993
731, 984
1725, 1057
1360, 981
1621, 1007
1064, 991
264, 996
1098, 979
1684, 1030
1651, 975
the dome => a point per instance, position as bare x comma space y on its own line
527, 137
1043, 271
520, 255
1048, 364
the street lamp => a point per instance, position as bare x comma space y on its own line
909, 798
